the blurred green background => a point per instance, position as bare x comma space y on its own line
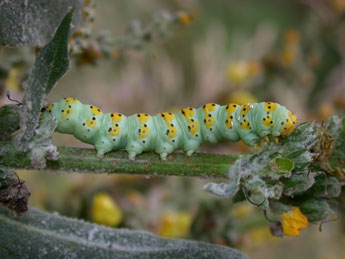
289, 52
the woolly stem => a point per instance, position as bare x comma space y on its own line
85, 160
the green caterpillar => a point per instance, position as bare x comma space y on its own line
166, 132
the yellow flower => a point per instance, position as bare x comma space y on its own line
241, 210
237, 72
291, 48
13, 80
293, 222
105, 211
338, 6
242, 71
241, 97
175, 224
186, 18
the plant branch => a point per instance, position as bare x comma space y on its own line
84, 160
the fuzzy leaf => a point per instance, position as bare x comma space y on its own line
33, 22
50, 65
316, 209
9, 120
40, 234
336, 127
282, 165
41, 145
298, 183
326, 186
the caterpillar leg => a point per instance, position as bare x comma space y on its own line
132, 155
102, 149
164, 156
266, 139
276, 140
251, 139
190, 152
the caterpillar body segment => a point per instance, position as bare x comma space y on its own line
166, 132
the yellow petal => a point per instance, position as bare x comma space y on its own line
175, 224
105, 211
293, 222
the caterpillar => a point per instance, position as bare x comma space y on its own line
166, 132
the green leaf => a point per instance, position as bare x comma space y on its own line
281, 165
316, 209
33, 22
50, 65
336, 126
41, 145
9, 120
40, 234
298, 183
326, 186
7, 177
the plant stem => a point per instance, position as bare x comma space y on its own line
84, 160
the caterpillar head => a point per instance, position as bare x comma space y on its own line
290, 125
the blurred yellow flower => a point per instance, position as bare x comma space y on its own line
293, 222
326, 110
337, 6
175, 224
105, 211
12, 82
291, 48
240, 72
292, 36
241, 210
258, 237
186, 18
242, 97
115, 53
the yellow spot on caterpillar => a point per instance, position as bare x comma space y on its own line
293, 117
245, 109
167, 116
95, 110
71, 100
114, 130
91, 123
289, 125
188, 112
66, 113
267, 121
143, 131
229, 122
116, 117
209, 107
193, 126
209, 120
143, 117
231, 108
269, 107
172, 131
50, 107
245, 125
